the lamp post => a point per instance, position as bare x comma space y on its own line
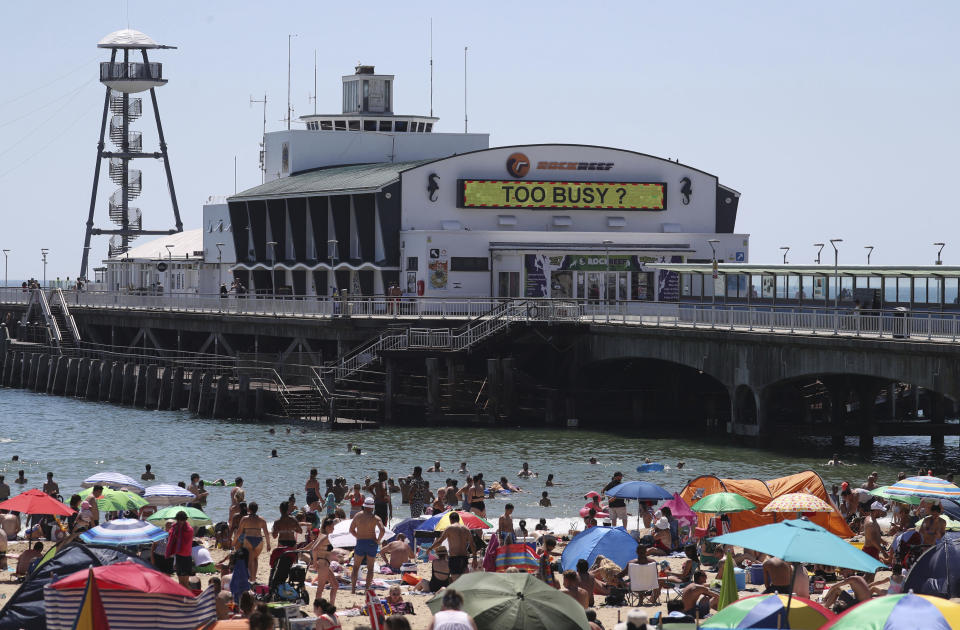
869, 249
43, 252
941, 246
273, 264
6, 267
836, 282
169, 271
333, 253
820, 245
219, 265
785, 249
713, 248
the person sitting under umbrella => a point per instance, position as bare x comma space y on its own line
661, 538
27, 558
697, 599
838, 599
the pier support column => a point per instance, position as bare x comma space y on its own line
837, 395
508, 403
129, 383
116, 382
93, 382
43, 374
938, 415
258, 403
5, 364
151, 387
493, 388
205, 399
243, 396
60, 377
165, 389
221, 397
553, 409
892, 399
433, 389
73, 374
389, 390
176, 390
83, 375
451, 378
867, 399
636, 407
106, 380
24, 369
194, 397
32, 367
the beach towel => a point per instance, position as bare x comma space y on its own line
516, 555
375, 610
490, 557
240, 581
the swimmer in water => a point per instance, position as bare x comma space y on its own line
273, 453
835, 461
349, 446
463, 467
272, 431
680, 465
593, 460
356, 449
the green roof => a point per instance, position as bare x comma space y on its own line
335, 180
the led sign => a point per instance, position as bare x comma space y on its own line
484, 193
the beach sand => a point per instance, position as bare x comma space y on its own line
608, 615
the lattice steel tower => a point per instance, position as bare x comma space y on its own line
122, 79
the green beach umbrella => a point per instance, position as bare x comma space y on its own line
514, 601
723, 503
728, 587
902, 498
195, 517
115, 500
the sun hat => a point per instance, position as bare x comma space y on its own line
876, 505
368, 502
637, 617
662, 523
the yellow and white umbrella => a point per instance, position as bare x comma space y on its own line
798, 502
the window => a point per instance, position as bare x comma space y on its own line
326, 125
471, 263
354, 125
429, 127
920, 290
412, 263
420, 127
385, 125
509, 284
369, 125
340, 125
400, 125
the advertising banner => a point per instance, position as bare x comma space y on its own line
475, 193
438, 268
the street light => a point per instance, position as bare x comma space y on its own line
219, 267
820, 245
273, 264
869, 249
43, 252
785, 249
6, 267
941, 246
713, 290
836, 272
169, 271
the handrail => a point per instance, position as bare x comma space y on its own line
67, 316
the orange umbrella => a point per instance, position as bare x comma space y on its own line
36, 502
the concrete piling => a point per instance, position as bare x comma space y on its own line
176, 391
151, 387
60, 377
194, 400
93, 382
221, 397
73, 374
116, 382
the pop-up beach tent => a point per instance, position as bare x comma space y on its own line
760, 493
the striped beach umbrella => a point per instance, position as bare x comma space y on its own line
467, 519
124, 532
168, 494
770, 611
798, 502
115, 500
900, 612
114, 480
925, 488
195, 517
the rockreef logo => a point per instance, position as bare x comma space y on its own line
518, 165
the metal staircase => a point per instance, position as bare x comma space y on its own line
129, 179
69, 333
38, 301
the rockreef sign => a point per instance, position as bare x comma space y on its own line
485, 193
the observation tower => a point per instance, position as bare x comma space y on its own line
128, 72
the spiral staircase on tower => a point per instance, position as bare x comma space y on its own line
125, 217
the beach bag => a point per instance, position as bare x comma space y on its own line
516, 555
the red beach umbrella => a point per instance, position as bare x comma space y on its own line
36, 502
125, 576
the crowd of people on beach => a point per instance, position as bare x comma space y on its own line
682, 562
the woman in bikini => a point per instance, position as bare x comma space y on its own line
252, 533
320, 553
477, 496
313, 489
356, 500
326, 614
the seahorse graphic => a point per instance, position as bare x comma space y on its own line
686, 189
432, 186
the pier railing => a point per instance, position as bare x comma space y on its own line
895, 323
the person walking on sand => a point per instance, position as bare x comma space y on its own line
460, 541
419, 492
252, 533
368, 530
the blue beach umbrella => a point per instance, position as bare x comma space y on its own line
613, 543
925, 487
640, 490
430, 523
124, 532
168, 494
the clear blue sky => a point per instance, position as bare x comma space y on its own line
833, 119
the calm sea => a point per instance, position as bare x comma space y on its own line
75, 439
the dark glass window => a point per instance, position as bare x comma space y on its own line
326, 125
412, 263
400, 125
340, 125
469, 263
384, 125
429, 127
354, 125
369, 125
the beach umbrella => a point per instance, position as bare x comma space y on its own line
168, 494
770, 611
640, 490
514, 601
195, 517
126, 576
467, 519
429, 523
723, 503
651, 467
91, 615
341, 536
36, 502
900, 498
900, 612
798, 502
613, 543
123, 532
728, 585
925, 488
115, 500
114, 480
